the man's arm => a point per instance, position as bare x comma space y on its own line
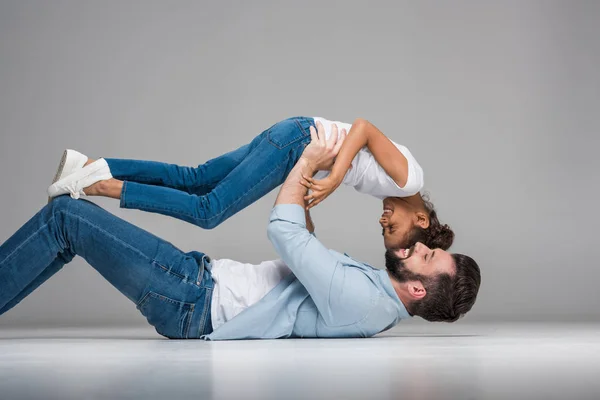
289, 192
292, 191
325, 279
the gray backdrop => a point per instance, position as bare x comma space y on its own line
498, 100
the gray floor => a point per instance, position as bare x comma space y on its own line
414, 361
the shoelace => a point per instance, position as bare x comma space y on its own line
75, 194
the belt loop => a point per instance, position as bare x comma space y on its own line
206, 261
204, 264
201, 267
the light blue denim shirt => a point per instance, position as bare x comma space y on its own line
328, 294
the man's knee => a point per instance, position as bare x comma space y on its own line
67, 203
61, 202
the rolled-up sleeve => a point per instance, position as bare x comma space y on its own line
311, 262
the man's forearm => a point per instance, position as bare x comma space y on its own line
292, 191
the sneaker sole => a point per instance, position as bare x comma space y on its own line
91, 169
59, 171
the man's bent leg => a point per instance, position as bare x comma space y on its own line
171, 288
53, 268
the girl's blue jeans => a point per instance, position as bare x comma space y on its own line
209, 194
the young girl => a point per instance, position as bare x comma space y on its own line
214, 191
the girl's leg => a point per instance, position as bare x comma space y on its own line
192, 180
199, 180
272, 156
172, 289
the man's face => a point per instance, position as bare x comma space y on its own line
418, 262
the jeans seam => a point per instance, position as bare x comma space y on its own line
27, 240
281, 146
246, 192
150, 181
301, 128
153, 208
143, 300
116, 239
165, 298
190, 315
171, 272
207, 297
123, 194
201, 269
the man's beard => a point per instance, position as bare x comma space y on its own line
397, 269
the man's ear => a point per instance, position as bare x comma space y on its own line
416, 290
422, 220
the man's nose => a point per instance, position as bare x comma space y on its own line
420, 248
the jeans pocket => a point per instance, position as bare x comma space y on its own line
179, 264
171, 318
285, 133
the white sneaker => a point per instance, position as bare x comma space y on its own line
75, 182
70, 162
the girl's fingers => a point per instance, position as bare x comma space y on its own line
308, 179
305, 183
314, 203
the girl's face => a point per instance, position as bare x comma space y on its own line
398, 219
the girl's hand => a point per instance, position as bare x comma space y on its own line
320, 189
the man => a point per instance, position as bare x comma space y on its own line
332, 295
327, 295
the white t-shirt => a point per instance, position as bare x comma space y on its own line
240, 285
367, 176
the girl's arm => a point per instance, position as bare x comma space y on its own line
362, 133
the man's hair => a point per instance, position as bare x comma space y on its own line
436, 235
449, 297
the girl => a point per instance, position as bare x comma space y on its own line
214, 191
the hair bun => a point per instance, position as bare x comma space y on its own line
441, 236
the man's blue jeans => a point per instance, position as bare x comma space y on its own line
214, 191
172, 289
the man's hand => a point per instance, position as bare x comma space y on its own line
318, 154
321, 153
